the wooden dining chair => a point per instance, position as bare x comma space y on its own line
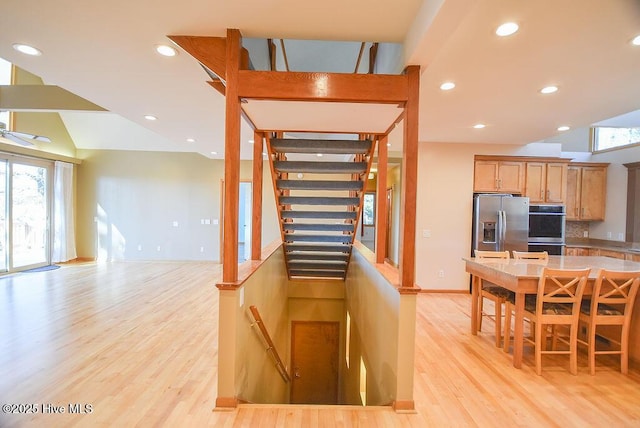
498, 295
611, 304
530, 255
557, 303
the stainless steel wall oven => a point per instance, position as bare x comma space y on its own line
547, 228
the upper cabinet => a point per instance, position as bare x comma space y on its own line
546, 182
503, 176
586, 191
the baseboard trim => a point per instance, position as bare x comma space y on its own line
404, 406
226, 403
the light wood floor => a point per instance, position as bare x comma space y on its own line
137, 341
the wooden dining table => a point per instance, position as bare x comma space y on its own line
522, 276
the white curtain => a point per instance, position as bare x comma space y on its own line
64, 236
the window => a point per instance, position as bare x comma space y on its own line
369, 209
605, 138
5, 79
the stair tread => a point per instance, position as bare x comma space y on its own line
344, 227
319, 200
315, 257
319, 184
319, 214
321, 167
320, 146
318, 248
297, 237
298, 265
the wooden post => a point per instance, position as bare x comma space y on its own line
381, 203
256, 225
232, 159
409, 180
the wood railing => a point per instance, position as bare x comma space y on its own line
270, 346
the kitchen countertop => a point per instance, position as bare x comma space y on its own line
603, 244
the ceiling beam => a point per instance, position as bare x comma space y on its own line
299, 86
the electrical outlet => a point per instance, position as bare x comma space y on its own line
585, 234
426, 233
202, 249
158, 248
620, 236
139, 247
441, 273
609, 235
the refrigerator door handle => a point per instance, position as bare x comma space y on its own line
504, 226
500, 231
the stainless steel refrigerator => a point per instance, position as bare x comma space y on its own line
500, 222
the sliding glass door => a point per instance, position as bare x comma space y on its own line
29, 215
25, 206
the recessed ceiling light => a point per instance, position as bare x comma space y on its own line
165, 50
26, 49
563, 128
507, 29
636, 40
190, 140
548, 89
150, 117
214, 153
447, 86
264, 153
479, 125
319, 155
251, 141
388, 144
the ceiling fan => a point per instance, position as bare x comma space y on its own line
21, 138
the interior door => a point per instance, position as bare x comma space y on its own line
314, 362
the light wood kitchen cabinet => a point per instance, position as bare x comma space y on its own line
502, 176
586, 191
546, 182
576, 251
611, 253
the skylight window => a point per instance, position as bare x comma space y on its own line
606, 138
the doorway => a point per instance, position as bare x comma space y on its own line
314, 361
245, 206
25, 204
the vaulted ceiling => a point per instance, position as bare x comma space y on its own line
105, 53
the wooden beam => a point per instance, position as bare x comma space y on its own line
209, 51
409, 180
256, 225
300, 86
373, 55
381, 199
218, 85
232, 158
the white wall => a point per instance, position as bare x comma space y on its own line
444, 207
128, 202
616, 211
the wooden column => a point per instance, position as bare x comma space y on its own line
381, 196
232, 159
409, 180
256, 225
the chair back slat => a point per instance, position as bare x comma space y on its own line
482, 254
563, 286
615, 288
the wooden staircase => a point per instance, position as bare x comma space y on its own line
319, 215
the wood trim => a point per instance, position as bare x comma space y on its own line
256, 194
226, 403
404, 406
211, 52
299, 86
409, 180
381, 196
522, 159
218, 85
232, 158
247, 268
